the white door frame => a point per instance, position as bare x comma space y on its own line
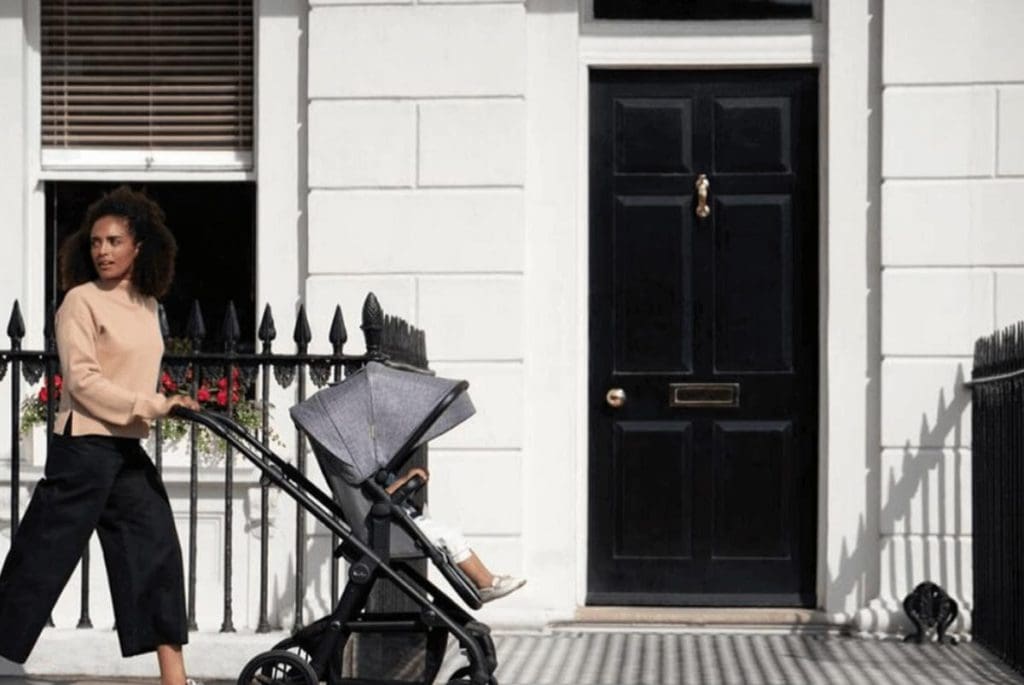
562, 47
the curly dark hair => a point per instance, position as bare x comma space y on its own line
154, 266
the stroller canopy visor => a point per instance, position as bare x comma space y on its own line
365, 420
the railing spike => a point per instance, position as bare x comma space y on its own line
373, 315
302, 334
16, 324
165, 328
196, 329
230, 330
338, 335
373, 324
267, 331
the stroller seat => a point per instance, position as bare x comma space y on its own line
406, 542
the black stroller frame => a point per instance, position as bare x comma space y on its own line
314, 653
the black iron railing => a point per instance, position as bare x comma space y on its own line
998, 493
186, 365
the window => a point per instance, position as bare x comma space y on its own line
703, 9
147, 83
214, 226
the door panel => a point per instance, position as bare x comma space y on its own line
752, 134
654, 521
753, 283
703, 482
751, 459
654, 136
651, 333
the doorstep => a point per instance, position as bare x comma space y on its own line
702, 619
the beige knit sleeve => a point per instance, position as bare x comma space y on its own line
83, 377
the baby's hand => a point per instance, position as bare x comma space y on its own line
417, 471
405, 477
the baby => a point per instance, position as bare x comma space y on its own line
490, 586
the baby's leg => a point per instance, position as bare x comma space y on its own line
476, 571
446, 536
491, 587
452, 540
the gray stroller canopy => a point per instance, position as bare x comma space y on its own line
365, 420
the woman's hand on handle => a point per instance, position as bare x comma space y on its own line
185, 401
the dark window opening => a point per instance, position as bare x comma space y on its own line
703, 9
214, 224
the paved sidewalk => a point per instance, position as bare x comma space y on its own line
652, 657
674, 658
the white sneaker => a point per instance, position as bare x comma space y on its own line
501, 586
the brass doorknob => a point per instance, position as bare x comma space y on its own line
616, 397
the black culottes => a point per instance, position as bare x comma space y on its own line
109, 485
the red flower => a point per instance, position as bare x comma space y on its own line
168, 383
222, 398
222, 383
203, 395
57, 383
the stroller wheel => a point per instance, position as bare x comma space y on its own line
277, 667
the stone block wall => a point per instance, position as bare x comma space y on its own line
416, 166
953, 265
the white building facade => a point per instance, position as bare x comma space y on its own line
438, 154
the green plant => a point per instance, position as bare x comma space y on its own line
33, 409
246, 411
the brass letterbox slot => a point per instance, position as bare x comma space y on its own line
704, 395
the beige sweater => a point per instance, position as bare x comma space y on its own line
110, 349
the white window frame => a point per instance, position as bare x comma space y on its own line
64, 161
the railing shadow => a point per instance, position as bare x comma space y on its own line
919, 528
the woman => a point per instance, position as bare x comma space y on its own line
97, 475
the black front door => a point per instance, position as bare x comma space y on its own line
703, 337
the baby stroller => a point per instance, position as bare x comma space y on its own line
362, 430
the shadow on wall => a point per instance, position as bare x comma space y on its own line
922, 544
923, 518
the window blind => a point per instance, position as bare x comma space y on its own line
147, 74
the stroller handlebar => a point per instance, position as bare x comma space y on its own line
206, 418
276, 469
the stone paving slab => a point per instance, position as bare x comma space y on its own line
651, 657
